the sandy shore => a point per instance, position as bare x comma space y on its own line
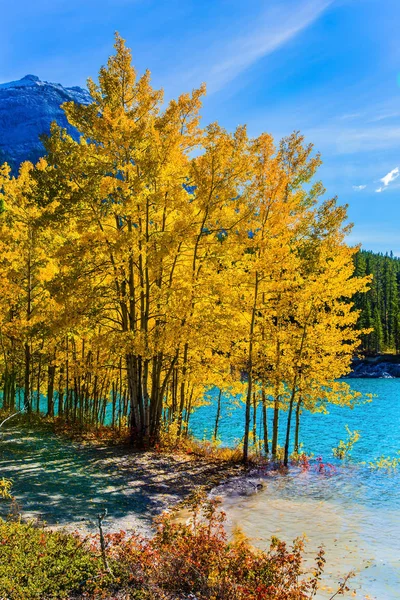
66, 484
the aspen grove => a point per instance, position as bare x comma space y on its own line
155, 259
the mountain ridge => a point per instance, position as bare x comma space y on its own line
28, 106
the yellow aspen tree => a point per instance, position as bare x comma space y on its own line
280, 214
26, 268
322, 333
148, 216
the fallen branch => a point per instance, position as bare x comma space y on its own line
343, 587
100, 518
10, 417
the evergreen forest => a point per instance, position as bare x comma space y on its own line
380, 306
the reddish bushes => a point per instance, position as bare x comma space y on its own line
195, 561
182, 561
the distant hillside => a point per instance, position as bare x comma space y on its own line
27, 108
381, 305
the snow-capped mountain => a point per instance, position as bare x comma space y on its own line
27, 108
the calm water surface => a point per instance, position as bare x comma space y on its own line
354, 512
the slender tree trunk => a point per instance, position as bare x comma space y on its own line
294, 386
28, 357
250, 375
265, 421
218, 415
289, 418
133, 366
51, 372
67, 399
188, 413
182, 389
39, 374
296, 434
254, 420
27, 383
275, 426
61, 392
114, 403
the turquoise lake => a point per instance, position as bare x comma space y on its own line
353, 511
378, 422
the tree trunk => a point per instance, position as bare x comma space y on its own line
51, 372
218, 415
250, 376
292, 397
27, 382
182, 389
254, 420
275, 426
296, 434
265, 421
276, 402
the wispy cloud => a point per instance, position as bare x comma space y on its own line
359, 188
381, 237
350, 116
276, 26
387, 179
341, 140
384, 116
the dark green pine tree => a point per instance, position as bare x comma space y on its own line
380, 307
377, 334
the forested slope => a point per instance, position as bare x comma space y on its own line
380, 306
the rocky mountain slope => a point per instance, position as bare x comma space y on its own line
27, 108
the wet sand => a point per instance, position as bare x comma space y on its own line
354, 538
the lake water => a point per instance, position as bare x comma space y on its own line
353, 510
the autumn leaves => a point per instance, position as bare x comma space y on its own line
156, 258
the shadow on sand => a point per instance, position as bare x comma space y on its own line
66, 484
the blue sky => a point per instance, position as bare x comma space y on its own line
329, 68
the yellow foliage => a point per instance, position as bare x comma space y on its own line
5, 489
154, 259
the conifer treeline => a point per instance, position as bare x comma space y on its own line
380, 306
154, 259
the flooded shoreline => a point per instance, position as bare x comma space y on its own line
335, 512
353, 510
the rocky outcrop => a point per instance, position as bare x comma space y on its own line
27, 108
382, 367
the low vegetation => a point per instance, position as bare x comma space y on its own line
385, 463
182, 561
39, 564
345, 447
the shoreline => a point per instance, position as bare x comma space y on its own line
63, 484
379, 366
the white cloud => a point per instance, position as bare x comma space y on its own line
390, 176
358, 188
276, 26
